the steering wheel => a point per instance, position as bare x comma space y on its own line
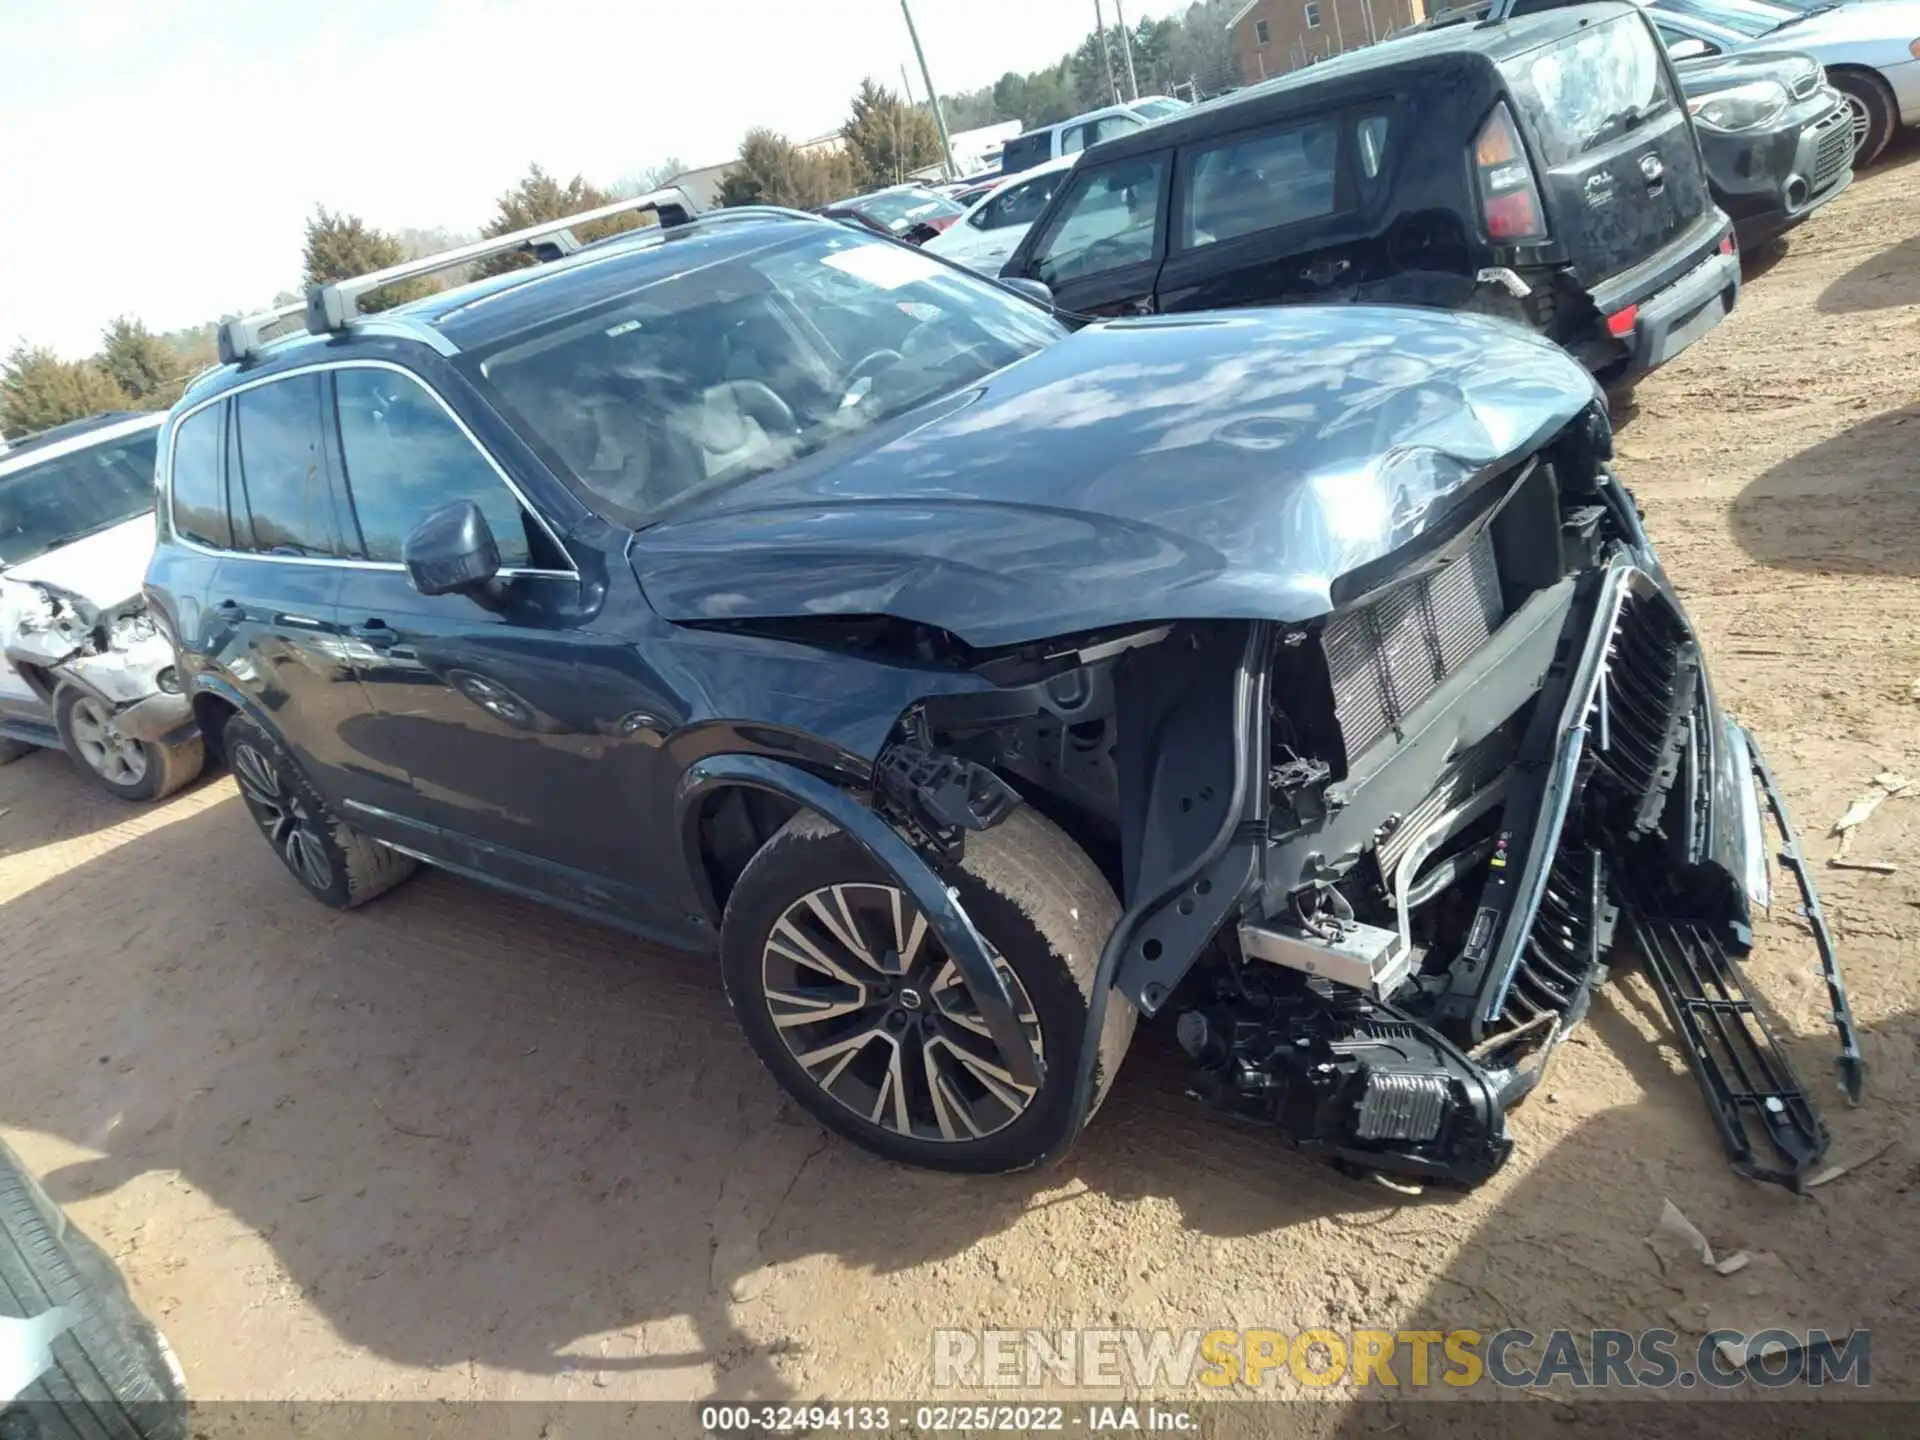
867, 365
757, 399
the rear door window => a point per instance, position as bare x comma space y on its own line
1592, 88
1108, 219
283, 470
198, 487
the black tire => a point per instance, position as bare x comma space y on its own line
335, 863
1035, 897
131, 769
109, 1376
1874, 115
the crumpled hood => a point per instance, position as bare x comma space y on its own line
1721, 72
1225, 466
106, 568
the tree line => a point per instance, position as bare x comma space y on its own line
884, 138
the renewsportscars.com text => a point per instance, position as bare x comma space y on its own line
1217, 1360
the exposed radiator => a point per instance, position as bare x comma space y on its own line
1386, 657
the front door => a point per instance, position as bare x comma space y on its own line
1100, 251
270, 619
476, 697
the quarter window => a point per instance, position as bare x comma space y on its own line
198, 488
1108, 220
405, 458
283, 468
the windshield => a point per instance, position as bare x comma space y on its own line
71, 496
740, 367
1743, 17
901, 210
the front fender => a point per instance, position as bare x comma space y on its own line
939, 902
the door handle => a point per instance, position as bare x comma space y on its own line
298, 622
377, 633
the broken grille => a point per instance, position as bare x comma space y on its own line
1386, 657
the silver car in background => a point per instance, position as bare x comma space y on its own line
989, 232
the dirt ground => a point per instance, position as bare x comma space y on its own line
457, 1146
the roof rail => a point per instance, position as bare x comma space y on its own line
335, 305
243, 335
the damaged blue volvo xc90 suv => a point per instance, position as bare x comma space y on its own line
976, 681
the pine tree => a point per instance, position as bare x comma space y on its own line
340, 247
148, 371
887, 140
539, 197
772, 170
38, 390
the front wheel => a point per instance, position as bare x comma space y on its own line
335, 863
132, 769
849, 998
1874, 117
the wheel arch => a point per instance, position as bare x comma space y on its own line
801, 789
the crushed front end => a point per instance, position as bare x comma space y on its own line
116, 654
1456, 797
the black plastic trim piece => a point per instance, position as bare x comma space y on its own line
1850, 1063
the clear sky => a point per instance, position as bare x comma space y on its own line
158, 157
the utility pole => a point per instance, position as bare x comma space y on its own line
933, 95
1126, 49
1106, 55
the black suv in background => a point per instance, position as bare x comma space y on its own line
1541, 168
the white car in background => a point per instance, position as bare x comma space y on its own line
82, 666
987, 234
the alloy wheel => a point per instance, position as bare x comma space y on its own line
109, 754
1862, 123
872, 1008
283, 816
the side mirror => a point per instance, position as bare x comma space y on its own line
451, 550
1034, 290
1689, 49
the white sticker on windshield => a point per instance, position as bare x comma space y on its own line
883, 265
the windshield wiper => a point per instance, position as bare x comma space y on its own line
1621, 122
1797, 19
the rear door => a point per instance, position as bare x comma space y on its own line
1280, 212
1621, 173
1100, 248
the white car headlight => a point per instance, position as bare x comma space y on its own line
1741, 107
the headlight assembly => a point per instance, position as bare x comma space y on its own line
1741, 107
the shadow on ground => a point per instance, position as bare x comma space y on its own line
1883, 281
472, 1129
1848, 505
